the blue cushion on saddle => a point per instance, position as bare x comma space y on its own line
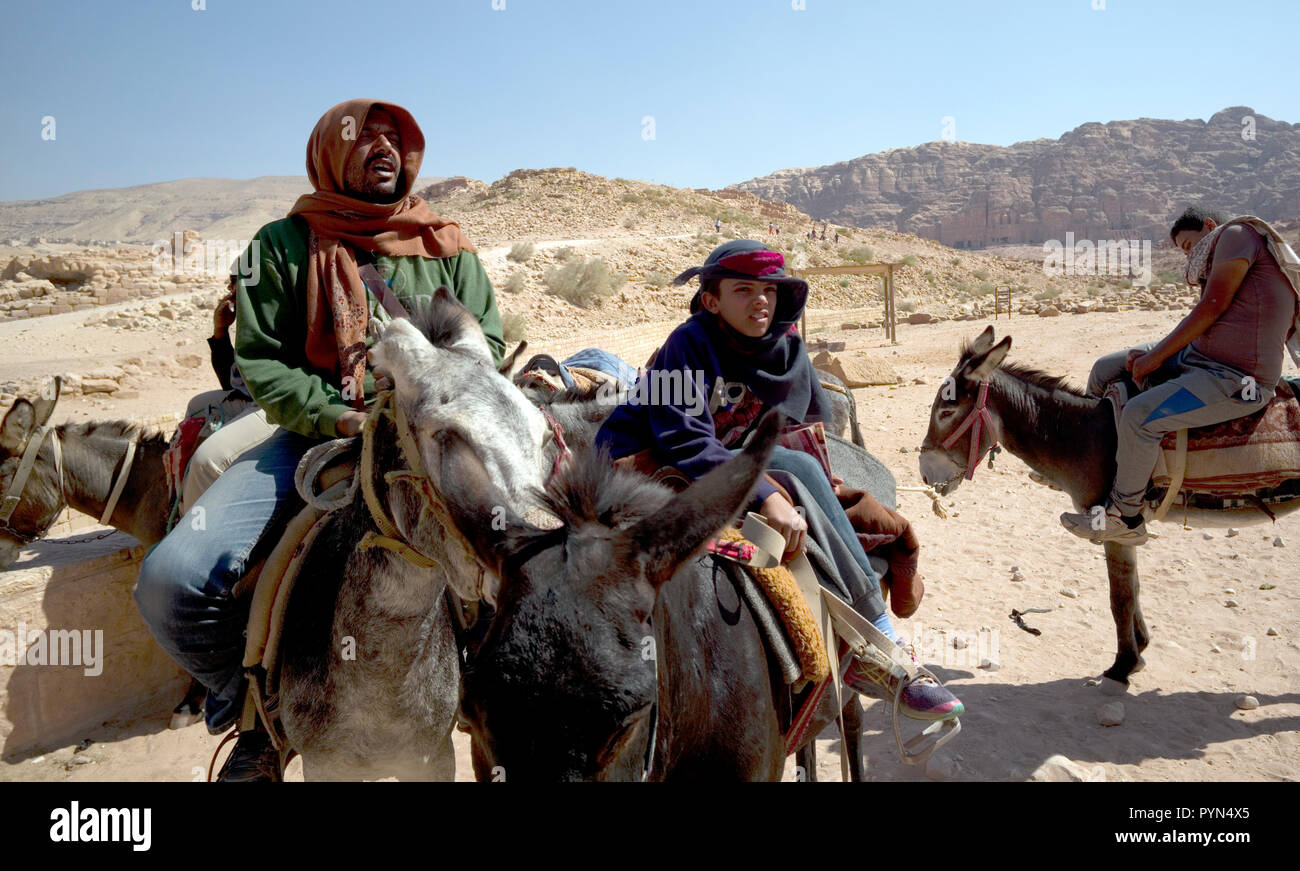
603, 361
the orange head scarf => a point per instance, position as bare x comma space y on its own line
337, 309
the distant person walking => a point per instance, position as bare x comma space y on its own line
717, 225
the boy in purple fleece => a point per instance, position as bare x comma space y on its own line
737, 357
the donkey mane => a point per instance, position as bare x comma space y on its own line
443, 321
115, 429
593, 490
1027, 374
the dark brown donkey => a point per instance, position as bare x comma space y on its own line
1066, 436
93, 455
608, 631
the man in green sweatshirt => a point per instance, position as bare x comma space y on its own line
301, 343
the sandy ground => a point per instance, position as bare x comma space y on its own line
1181, 721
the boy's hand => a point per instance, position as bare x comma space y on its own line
349, 423
782, 517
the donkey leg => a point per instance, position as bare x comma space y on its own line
1121, 565
853, 738
806, 759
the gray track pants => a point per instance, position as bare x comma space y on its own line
1200, 392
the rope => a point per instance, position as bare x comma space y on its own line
935, 502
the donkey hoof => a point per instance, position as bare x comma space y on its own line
181, 719
1138, 666
1112, 687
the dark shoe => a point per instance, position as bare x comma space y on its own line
254, 760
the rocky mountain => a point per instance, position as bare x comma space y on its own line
217, 208
1125, 179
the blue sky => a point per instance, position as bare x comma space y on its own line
153, 90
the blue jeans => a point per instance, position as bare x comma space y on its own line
185, 590
811, 475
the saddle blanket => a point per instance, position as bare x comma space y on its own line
1258, 452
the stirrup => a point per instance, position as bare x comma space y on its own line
868, 642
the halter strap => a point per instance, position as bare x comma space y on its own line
979, 417
120, 484
14, 496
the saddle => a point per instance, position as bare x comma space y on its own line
1251, 460
817, 625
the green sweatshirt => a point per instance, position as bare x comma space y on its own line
272, 323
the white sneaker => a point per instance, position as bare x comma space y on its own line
1099, 527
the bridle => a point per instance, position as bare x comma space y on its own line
979, 418
14, 495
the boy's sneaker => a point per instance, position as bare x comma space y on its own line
1099, 527
924, 698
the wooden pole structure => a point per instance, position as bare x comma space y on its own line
886, 273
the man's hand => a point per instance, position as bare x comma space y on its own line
1143, 365
782, 517
349, 423
223, 316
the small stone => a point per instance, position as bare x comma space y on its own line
1060, 769
1206, 536
1016, 576
1232, 603
36, 760
1246, 703
1214, 648
1267, 586
1233, 532
1230, 591
959, 643
941, 768
78, 759
1069, 593
1092, 682
1111, 714
1278, 542
903, 449
1272, 630
989, 664
84, 745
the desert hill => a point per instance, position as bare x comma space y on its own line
1124, 179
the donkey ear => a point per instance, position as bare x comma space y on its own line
508, 364
983, 342
477, 506
983, 365
669, 537
49, 398
17, 425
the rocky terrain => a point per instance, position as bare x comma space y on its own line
527, 225
1124, 179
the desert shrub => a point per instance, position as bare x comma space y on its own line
929, 276
861, 254
658, 280
844, 282
1047, 294
629, 222
521, 252
981, 274
956, 261
563, 254
630, 197
1169, 276
515, 283
707, 238
1127, 284
985, 288
514, 327
907, 305
909, 260
582, 282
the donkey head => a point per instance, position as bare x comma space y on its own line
563, 684
444, 377
942, 468
41, 498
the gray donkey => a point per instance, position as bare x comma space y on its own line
370, 681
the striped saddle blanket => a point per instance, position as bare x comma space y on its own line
1250, 455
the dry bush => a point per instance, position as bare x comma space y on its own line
582, 282
521, 252
862, 254
514, 327
515, 283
